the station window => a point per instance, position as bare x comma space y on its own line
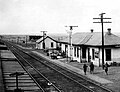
75, 51
108, 54
93, 54
83, 52
51, 44
66, 48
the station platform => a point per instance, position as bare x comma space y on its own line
76, 69
6, 54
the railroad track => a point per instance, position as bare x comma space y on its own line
60, 79
41, 80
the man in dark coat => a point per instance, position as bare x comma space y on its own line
91, 67
85, 68
106, 68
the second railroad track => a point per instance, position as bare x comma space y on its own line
50, 77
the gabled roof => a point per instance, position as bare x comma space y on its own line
41, 39
94, 39
77, 38
56, 37
109, 39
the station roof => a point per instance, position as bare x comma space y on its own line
54, 37
87, 38
41, 39
94, 39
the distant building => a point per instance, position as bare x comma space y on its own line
21, 38
49, 42
34, 37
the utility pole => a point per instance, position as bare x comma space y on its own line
26, 40
18, 38
70, 40
44, 33
101, 21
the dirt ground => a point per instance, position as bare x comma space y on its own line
113, 75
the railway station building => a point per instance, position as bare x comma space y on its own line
87, 47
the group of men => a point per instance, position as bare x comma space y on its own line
91, 65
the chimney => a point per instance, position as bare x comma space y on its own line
91, 30
109, 31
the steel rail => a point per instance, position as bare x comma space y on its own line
60, 72
81, 76
36, 71
64, 75
29, 74
108, 90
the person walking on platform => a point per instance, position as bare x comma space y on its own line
91, 67
85, 68
106, 68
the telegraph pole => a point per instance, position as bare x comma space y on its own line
44, 33
18, 38
70, 39
26, 40
101, 21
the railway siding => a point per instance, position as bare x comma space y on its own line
27, 58
65, 83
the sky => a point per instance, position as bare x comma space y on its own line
34, 16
